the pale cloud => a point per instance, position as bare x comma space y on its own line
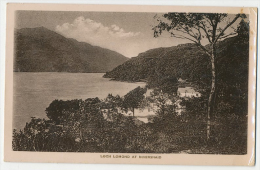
111, 37
93, 32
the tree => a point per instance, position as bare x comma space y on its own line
57, 108
111, 105
168, 84
196, 27
134, 98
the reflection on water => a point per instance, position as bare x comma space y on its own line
33, 92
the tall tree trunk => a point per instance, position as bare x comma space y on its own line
212, 92
133, 112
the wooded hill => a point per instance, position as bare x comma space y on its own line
187, 61
43, 50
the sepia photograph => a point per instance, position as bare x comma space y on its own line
130, 85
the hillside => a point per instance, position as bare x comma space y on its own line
43, 50
177, 61
187, 61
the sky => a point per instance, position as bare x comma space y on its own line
124, 32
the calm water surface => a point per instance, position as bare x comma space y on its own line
33, 92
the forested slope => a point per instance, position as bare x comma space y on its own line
43, 50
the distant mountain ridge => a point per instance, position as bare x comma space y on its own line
42, 50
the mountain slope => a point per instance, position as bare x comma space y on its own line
174, 61
42, 50
187, 61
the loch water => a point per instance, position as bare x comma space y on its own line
33, 92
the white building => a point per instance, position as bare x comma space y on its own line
187, 92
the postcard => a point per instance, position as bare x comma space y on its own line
130, 84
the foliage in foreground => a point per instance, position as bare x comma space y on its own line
85, 129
